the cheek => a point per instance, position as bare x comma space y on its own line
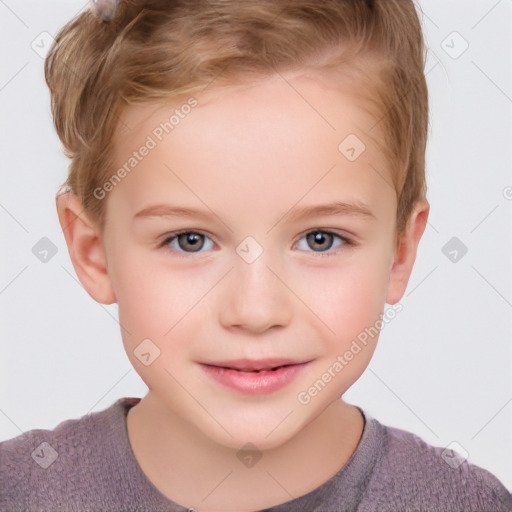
156, 300
143, 296
351, 306
140, 295
350, 299
158, 306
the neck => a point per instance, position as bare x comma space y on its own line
194, 471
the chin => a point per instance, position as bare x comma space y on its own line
264, 430
257, 439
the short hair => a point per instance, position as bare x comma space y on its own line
157, 50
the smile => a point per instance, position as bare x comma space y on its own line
256, 377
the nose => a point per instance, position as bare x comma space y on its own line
255, 297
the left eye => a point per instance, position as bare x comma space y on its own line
194, 240
324, 239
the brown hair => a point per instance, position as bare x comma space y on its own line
156, 50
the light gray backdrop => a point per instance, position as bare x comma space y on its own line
443, 365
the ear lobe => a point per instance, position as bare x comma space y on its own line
85, 246
405, 255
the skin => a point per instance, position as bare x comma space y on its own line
246, 154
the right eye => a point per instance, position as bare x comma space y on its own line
181, 241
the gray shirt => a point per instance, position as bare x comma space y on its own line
87, 464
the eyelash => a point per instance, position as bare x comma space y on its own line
347, 242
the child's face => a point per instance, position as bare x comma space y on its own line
248, 158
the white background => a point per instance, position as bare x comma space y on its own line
443, 366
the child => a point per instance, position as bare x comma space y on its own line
253, 130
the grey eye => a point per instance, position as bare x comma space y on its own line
321, 241
187, 242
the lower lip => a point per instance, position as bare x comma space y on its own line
254, 383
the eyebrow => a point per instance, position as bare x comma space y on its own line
357, 209
335, 208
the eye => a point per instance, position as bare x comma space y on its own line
323, 240
185, 240
191, 242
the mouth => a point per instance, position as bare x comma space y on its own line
254, 377
261, 370
256, 366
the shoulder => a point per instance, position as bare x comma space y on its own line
427, 477
43, 467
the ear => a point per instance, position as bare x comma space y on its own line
85, 246
405, 254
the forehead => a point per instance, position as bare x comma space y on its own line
286, 135
321, 102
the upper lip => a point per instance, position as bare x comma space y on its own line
255, 364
